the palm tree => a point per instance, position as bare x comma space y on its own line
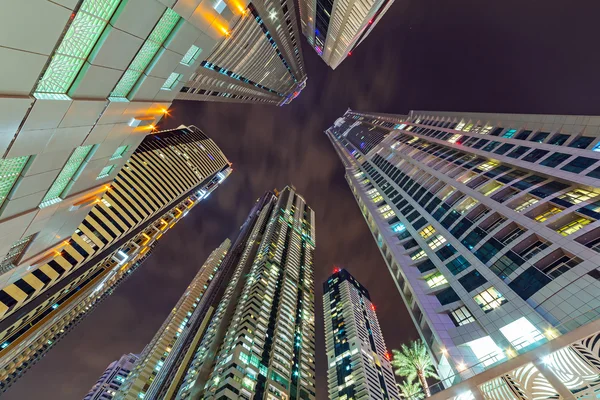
412, 362
410, 390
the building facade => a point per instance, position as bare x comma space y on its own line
260, 342
260, 61
488, 224
78, 95
168, 174
112, 378
358, 363
335, 28
152, 359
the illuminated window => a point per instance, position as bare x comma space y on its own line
105, 171
14, 253
489, 299
486, 350
191, 55
10, 170
398, 228
461, 316
76, 45
427, 232
527, 201
219, 6
436, 242
488, 165
573, 226
509, 133
459, 126
119, 152
377, 199
487, 129
145, 55
66, 175
578, 195
521, 333
435, 279
171, 81
454, 138
417, 255
547, 214
490, 188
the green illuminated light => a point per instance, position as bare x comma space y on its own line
119, 152
191, 56
105, 171
10, 169
66, 174
76, 45
171, 81
149, 49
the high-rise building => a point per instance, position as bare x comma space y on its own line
489, 224
260, 61
335, 28
152, 359
112, 378
254, 330
167, 175
79, 93
357, 358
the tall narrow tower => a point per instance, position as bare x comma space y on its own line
335, 28
167, 175
260, 342
357, 358
112, 378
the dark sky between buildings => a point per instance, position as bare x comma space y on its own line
529, 56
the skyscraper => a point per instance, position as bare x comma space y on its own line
260, 61
489, 226
168, 174
357, 358
335, 28
112, 378
152, 359
255, 332
79, 93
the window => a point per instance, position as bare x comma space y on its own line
506, 265
518, 152
191, 55
547, 214
446, 252
105, 171
171, 81
509, 133
579, 164
436, 242
461, 316
523, 135
578, 195
521, 333
219, 6
582, 142
539, 137
14, 253
457, 265
10, 170
119, 152
573, 226
435, 279
488, 165
535, 155
427, 232
417, 255
66, 175
560, 266
529, 282
558, 140
447, 296
489, 299
504, 148
472, 281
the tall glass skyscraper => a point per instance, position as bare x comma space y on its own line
255, 335
489, 225
357, 359
167, 175
335, 28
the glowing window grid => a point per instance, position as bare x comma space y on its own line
142, 59
76, 45
10, 169
191, 55
171, 81
119, 152
489, 299
66, 174
105, 171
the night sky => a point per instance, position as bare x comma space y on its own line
449, 55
